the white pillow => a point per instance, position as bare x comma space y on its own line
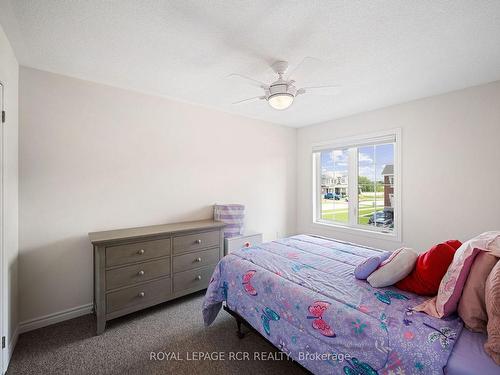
397, 267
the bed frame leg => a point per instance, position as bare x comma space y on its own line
239, 333
239, 321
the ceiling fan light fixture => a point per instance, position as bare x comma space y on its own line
280, 101
281, 93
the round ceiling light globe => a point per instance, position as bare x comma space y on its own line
280, 101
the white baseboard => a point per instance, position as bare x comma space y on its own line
12, 345
47, 320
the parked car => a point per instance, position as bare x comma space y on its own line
332, 196
381, 219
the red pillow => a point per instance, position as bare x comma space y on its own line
454, 243
430, 269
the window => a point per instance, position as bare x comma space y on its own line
356, 184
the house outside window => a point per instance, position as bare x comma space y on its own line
356, 184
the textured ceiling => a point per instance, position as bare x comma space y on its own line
380, 52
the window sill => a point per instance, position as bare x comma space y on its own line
394, 237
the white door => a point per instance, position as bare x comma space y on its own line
3, 294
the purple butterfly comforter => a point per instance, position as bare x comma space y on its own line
300, 293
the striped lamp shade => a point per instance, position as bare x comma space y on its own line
233, 215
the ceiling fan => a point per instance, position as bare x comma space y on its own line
281, 93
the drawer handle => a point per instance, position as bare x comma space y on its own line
142, 294
198, 277
198, 242
140, 273
247, 244
198, 260
140, 252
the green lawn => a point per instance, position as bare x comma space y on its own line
341, 214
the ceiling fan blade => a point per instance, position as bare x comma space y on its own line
320, 90
249, 99
249, 80
307, 58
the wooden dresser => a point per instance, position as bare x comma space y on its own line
140, 267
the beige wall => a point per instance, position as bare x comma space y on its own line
9, 75
450, 165
93, 157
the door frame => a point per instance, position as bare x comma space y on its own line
4, 354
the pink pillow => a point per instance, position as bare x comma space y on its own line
472, 308
492, 297
452, 284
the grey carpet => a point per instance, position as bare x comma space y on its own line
71, 347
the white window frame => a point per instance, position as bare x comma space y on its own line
349, 143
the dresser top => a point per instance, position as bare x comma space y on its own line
136, 233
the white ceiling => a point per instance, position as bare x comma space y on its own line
381, 52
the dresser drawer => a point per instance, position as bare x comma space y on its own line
197, 241
137, 295
239, 242
136, 252
136, 273
196, 260
198, 278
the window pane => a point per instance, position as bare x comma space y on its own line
376, 189
384, 161
334, 186
366, 184
387, 206
366, 165
366, 203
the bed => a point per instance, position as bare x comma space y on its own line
301, 295
468, 356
